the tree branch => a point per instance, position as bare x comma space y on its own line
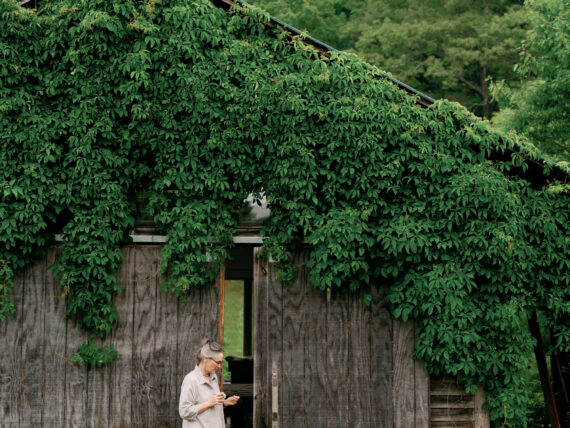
470, 85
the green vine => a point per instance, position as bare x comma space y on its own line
100, 100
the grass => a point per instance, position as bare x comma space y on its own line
233, 322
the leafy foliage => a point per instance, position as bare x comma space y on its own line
540, 108
102, 99
92, 355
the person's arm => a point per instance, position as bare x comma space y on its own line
188, 408
231, 400
214, 400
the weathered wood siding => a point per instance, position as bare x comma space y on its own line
336, 362
156, 338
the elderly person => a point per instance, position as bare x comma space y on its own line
200, 398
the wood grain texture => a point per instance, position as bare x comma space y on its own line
260, 322
319, 410
75, 379
53, 391
338, 330
98, 396
143, 339
359, 364
164, 362
480, 415
421, 388
404, 379
120, 380
11, 339
381, 366
288, 322
32, 353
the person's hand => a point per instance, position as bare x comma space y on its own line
231, 401
216, 399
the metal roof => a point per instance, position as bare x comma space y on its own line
423, 98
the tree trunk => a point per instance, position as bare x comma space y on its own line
560, 368
547, 390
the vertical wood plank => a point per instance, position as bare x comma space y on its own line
403, 387
11, 338
143, 338
98, 396
164, 361
288, 325
210, 318
337, 315
75, 378
359, 389
122, 338
480, 415
382, 413
31, 370
189, 335
421, 378
320, 412
260, 380
54, 342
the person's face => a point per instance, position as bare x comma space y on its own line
214, 364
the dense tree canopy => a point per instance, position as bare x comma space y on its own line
100, 99
446, 49
540, 109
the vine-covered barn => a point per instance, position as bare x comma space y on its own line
388, 282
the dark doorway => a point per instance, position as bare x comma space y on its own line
238, 336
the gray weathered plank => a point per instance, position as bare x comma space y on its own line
143, 339
421, 388
32, 353
288, 325
164, 360
75, 378
403, 387
98, 396
189, 334
338, 344
11, 339
122, 338
53, 413
261, 392
359, 365
319, 411
382, 414
480, 415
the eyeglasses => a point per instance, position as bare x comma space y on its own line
219, 363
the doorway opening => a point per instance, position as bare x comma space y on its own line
238, 336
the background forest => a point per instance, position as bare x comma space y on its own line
504, 60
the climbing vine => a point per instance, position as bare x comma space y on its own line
201, 107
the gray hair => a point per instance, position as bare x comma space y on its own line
208, 348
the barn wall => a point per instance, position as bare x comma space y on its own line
156, 338
335, 362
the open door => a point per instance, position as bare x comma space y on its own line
236, 321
